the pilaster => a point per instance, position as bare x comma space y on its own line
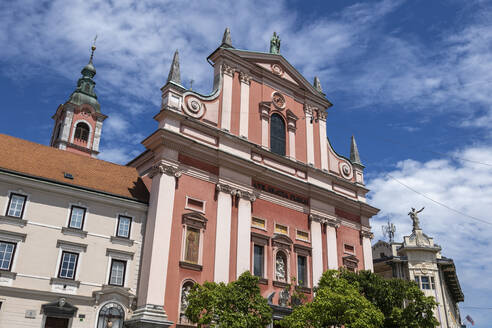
291, 128
153, 277
243, 256
331, 244
245, 80
265, 119
228, 73
317, 251
323, 141
366, 237
223, 233
308, 113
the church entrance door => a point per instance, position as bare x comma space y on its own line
52, 322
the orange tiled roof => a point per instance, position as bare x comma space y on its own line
45, 162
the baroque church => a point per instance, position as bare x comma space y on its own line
241, 179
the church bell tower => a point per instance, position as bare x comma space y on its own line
78, 122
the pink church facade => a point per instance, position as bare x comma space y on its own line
246, 179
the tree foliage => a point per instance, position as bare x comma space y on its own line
402, 302
336, 302
238, 304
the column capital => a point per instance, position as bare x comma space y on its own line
244, 77
164, 168
309, 109
228, 70
335, 223
366, 234
235, 192
247, 195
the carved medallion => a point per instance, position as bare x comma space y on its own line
277, 69
346, 170
194, 107
278, 100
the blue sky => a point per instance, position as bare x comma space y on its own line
410, 79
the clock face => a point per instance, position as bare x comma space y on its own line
278, 100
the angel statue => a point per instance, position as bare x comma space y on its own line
275, 44
415, 218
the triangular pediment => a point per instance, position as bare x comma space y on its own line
277, 65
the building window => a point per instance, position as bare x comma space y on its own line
117, 274
258, 223
16, 205
349, 249
302, 271
433, 283
417, 280
302, 235
195, 204
281, 267
6, 255
68, 265
258, 260
82, 132
277, 134
425, 282
185, 291
192, 246
280, 228
124, 225
77, 216
111, 315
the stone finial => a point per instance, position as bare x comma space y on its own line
317, 84
275, 44
174, 72
354, 152
226, 39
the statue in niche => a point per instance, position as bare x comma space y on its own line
280, 268
415, 218
283, 297
185, 291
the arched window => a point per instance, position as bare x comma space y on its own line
185, 291
82, 131
281, 267
277, 134
111, 315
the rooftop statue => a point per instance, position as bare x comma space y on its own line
415, 218
275, 44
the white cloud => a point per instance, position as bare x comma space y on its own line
463, 185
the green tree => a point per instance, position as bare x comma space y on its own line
238, 304
336, 302
402, 302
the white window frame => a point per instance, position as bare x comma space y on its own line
73, 249
346, 252
7, 203
263, 274
187, 207
308, 240
257, 227
120, 256
281, 233
81, 205
308, 284
74, 126
132, 221
14, 238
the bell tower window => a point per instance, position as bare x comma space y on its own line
82, 132
277, 134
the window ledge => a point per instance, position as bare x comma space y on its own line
263, 281
13, 221
122, 241
74, 232
191, 266
63, 281
302, 289
8, 274
280, 284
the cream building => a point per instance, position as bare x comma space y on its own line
419, 259
70, 238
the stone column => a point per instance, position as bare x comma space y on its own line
265, 119
223, 233
308, 113
244, 106
323, 141
228, 72
317, 251
367, 249
243, 256
331, 244
153, 276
